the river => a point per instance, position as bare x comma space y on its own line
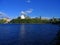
27, 34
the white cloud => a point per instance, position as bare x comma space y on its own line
23, 12
2, 14
29, 11
28, 1
26, 11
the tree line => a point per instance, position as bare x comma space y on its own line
35, 20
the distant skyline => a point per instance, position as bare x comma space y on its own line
33, 8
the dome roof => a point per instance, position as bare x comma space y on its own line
22, 17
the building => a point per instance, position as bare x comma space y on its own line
23, 15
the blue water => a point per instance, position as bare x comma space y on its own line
27, 34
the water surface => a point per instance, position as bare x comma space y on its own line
27, 34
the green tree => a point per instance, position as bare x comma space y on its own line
2, 21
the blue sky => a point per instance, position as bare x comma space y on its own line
44, 8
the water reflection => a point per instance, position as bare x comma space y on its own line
22, 31
22, 34
29, 34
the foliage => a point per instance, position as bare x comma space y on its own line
36, 20
2, 21
29, 20
54, 21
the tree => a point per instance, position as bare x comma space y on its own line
2, 21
